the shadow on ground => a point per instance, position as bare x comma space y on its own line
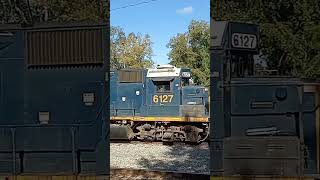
183, 157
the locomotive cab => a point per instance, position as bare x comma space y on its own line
173, 89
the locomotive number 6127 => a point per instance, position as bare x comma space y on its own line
240, 40
162, 98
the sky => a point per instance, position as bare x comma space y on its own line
161, 19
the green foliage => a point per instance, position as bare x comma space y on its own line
66, 10
130, 51
14, 11
191, 49
290, 32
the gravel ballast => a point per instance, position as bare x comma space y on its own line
155, 156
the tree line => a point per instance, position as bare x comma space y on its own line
290, 33
133, 50
34, 11
189, 49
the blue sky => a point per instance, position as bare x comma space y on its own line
161, 19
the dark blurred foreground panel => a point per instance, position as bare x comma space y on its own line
54, 99
260, 125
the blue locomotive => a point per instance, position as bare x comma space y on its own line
53, 95
158, 104
264, 126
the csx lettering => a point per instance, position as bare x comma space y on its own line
162, 98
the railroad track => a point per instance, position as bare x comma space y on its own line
139, 174
141, 142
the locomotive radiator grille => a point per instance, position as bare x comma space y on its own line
64, 47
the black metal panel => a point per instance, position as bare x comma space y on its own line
58, 163
310, 130
50, 115
7, 163
262, 98
286, 124
256, 126
39, 139
267, 156
6, 139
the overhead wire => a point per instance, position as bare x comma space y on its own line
132, 5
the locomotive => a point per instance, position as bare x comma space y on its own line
158, 104
53, 94
262, 126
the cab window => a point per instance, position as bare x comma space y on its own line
162, 86
185, 82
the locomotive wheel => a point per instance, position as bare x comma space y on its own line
192, 134
148, 138
167, 138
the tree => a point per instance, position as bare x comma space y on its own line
29, 11
290, 32
130, 51
13, 11
66, 10
191, 49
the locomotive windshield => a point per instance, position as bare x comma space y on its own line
242, 66
162, 86
185, 82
